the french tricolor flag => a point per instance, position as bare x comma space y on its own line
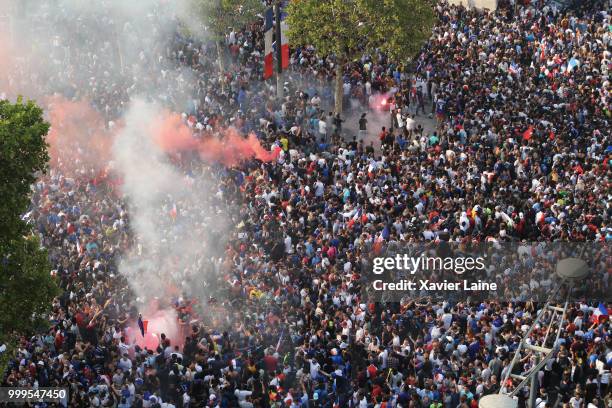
284, 45
601, 314
142, 325
268, 38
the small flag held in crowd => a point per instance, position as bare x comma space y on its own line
173, 212
280, 339
142, 324
528, 133
601, 313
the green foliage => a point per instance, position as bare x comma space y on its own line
331, 26
26, 287
349, 28
23, 152
399, 27
220, 16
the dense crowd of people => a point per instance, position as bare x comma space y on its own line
520, 102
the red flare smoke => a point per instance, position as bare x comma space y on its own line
159, 321
174, 136
77, 139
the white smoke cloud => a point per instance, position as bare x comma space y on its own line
168, 251
100, 50
114, 55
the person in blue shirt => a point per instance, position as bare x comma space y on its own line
401, 141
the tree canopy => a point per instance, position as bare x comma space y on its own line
23, 153
351, 28
219, 16
26, 287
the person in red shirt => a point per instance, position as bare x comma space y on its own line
270, 361
372, 371
59, 340
382, 135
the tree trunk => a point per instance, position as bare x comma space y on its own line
219, 45
339, 92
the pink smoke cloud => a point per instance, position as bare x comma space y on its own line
78, 139
158, 321
231, 148
16, 71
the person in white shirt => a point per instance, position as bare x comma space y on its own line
447, 319
242, 394
346, 87
124, 348
486, 372
410, 126
383, 356
125, 364
314, 369
315, 101
186, 400
319, 188
322, 128
576, 401
399, 119
288, 245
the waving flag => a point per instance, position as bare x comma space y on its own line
284, 45
601, 313
280, 338
378, 243
142, 324
268, 36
